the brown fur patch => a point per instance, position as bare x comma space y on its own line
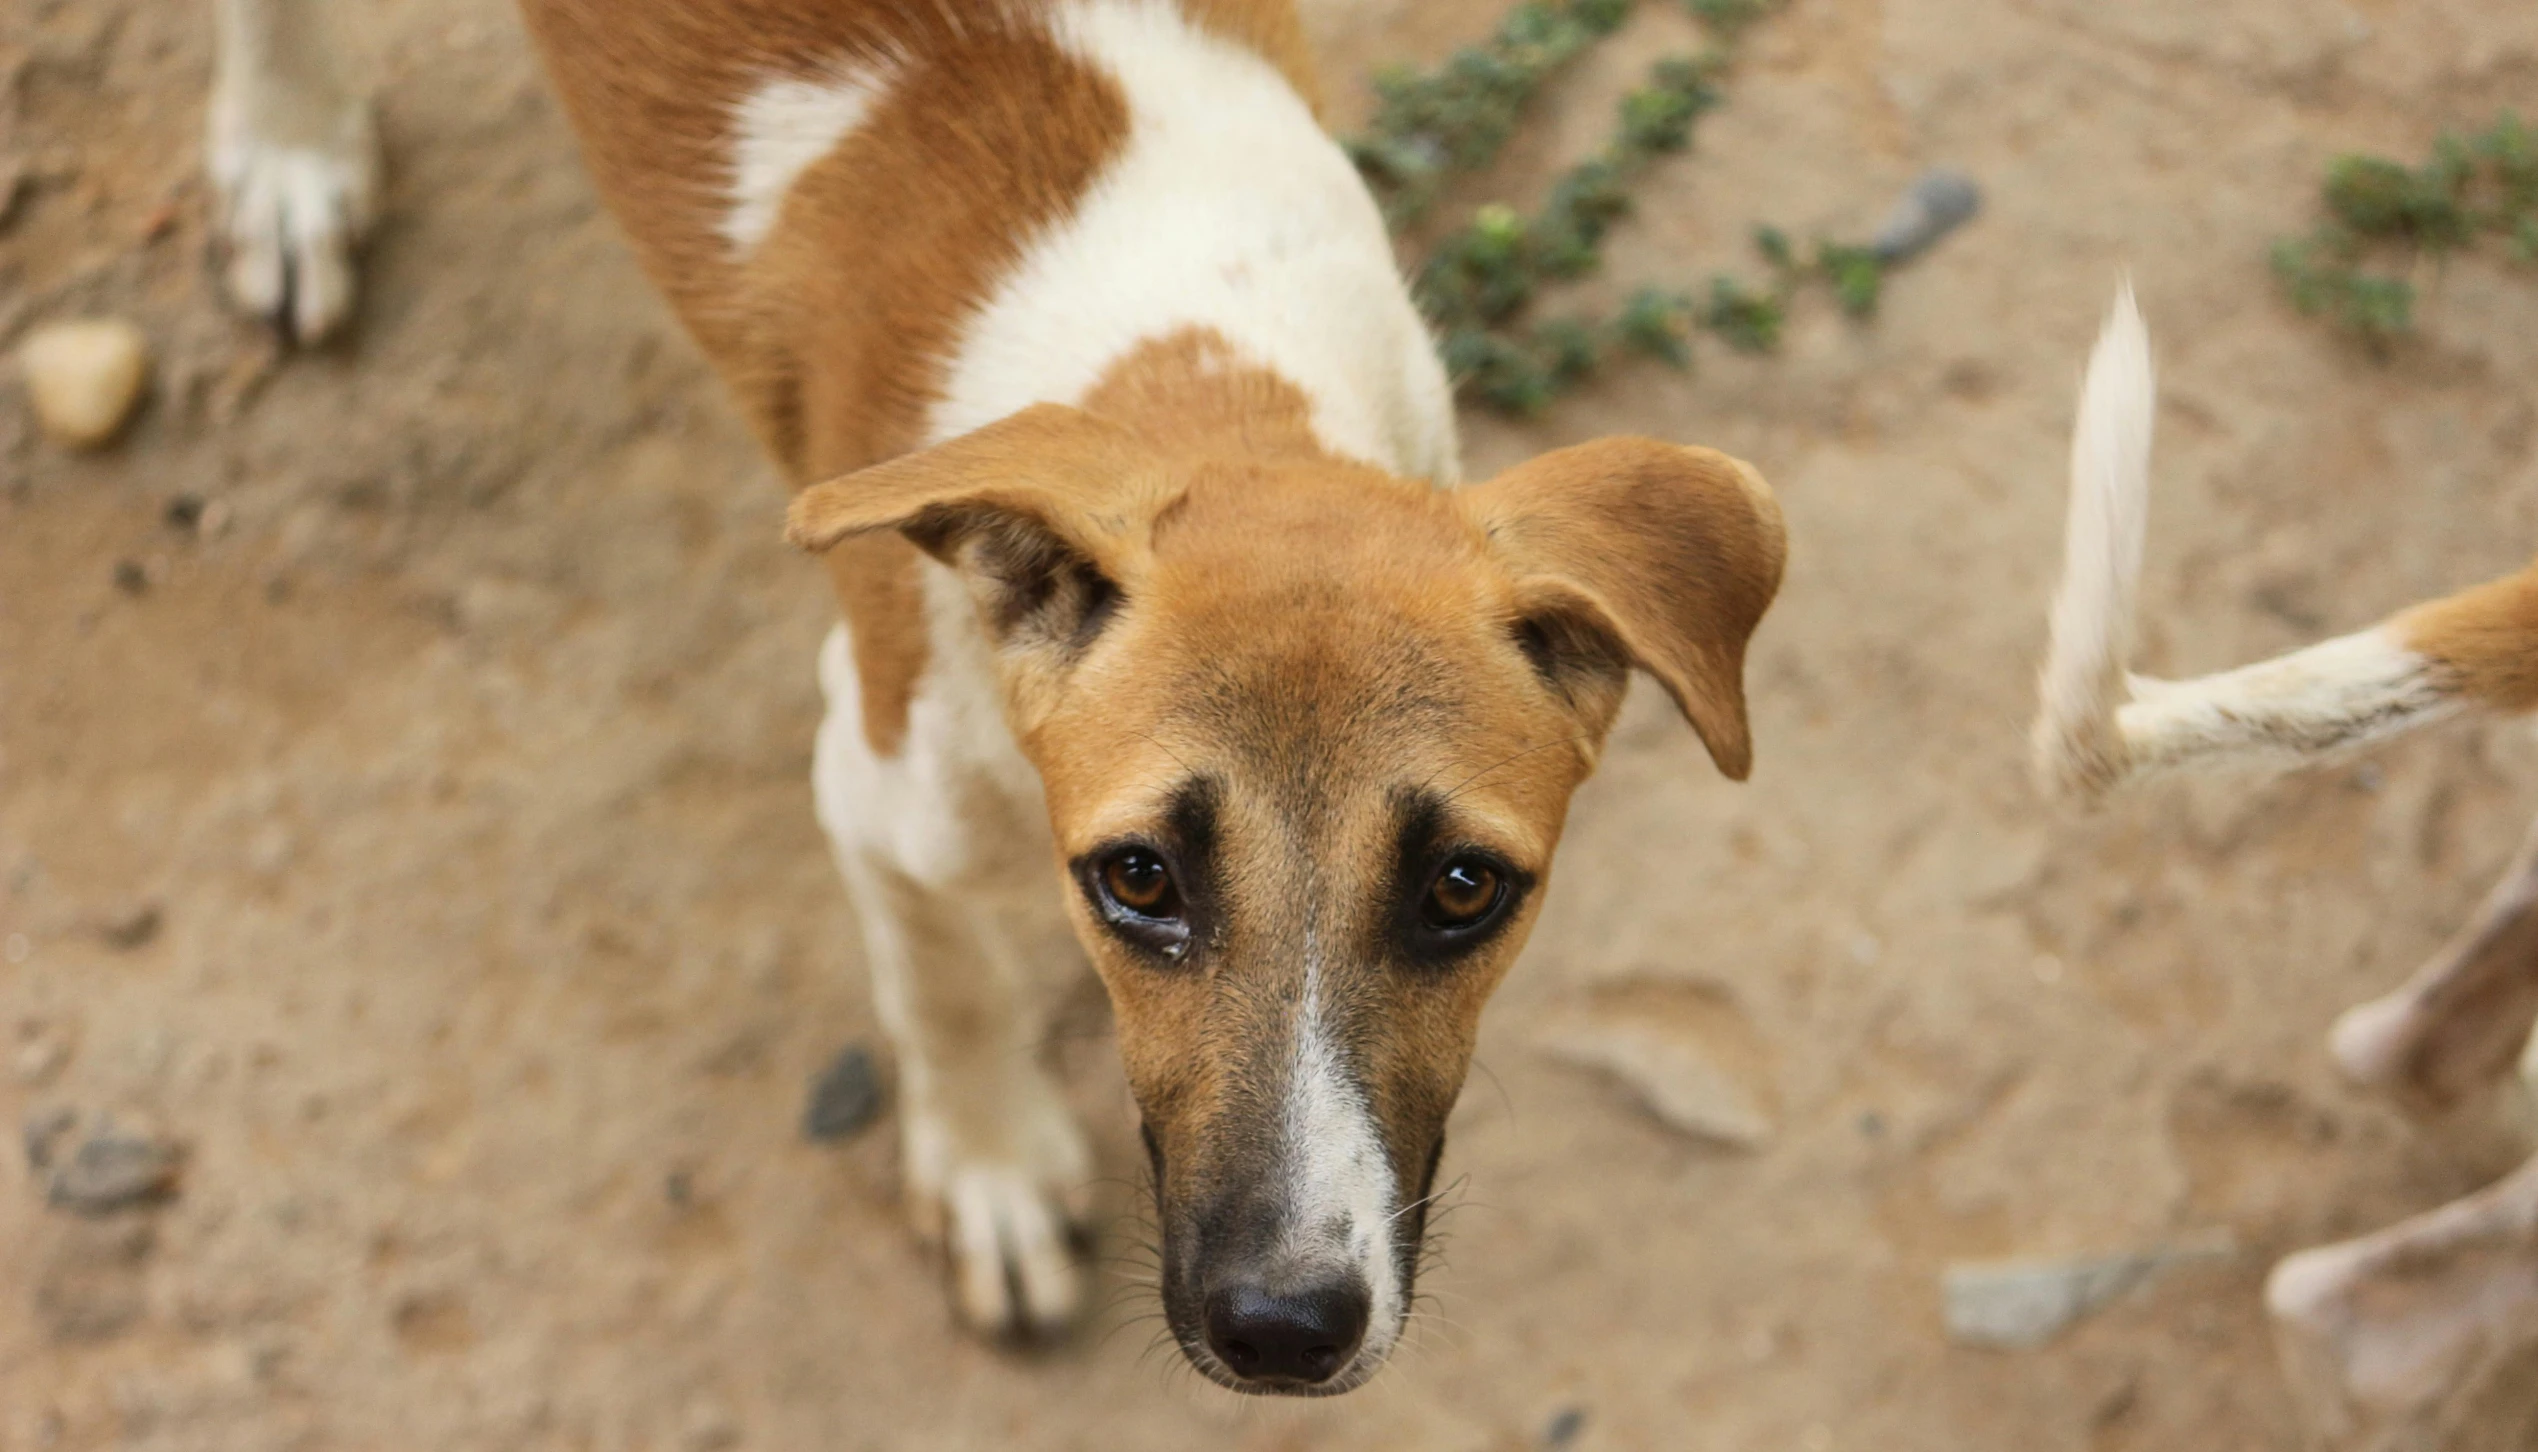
1191, 392
2488, 635
835, 332
1269, 27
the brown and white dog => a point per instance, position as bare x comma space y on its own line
2387, 1335
1090, 359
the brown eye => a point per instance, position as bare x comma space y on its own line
1138, 881
1465, 891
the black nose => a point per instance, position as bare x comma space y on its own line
1302, 1335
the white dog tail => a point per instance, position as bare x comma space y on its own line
2099, 727
2079, 750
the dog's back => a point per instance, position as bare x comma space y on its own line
828, 189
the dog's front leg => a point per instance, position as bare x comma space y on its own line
949, 885
295, 158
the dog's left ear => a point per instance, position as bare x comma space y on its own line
1653, 554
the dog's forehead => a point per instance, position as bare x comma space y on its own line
1247, 524
1314, 641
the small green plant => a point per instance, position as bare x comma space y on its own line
1430, 126
2382, 212
1479, 282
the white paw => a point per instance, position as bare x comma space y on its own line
295, 202
1008, 1219
1015, 1270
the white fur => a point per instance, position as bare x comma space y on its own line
2333, 699
780, 129
992, 1154
1338, 1180
2077, 748
912, 809
1228, 208
2099, 728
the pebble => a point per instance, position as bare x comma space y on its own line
85, 377
845, 1098
1937, 203
106, 1166
1563, 1428
133, 928
2022, 1304
1678, 1083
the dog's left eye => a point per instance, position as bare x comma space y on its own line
1463, 894
1133, 892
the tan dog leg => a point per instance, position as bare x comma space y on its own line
958, 910
2391, 1338
2461, 1022
296, 161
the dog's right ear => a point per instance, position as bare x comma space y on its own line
1041, 514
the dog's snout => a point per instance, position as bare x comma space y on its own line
1299, 1336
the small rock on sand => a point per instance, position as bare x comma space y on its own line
1674, 1078
133, 927
102, 1166
2022, 1304
85, 377
845, 1098
1937, 203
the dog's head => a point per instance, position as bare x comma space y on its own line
1308, 732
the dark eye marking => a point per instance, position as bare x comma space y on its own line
1454, 895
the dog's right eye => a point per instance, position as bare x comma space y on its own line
1138, 881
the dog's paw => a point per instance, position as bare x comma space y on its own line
1016, 1270
1008, 1218
2428, 1057
2387, 1336
295, 203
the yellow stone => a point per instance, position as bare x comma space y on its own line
85, 377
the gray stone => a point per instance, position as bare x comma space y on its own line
2022, 1304
1678, 1082
107, 1166
845, 1098
1937, 203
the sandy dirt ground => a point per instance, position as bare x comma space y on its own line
464, 766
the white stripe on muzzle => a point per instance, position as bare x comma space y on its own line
1339, 1191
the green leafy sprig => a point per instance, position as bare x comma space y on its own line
1431, 126
2472, 187
1480, 281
